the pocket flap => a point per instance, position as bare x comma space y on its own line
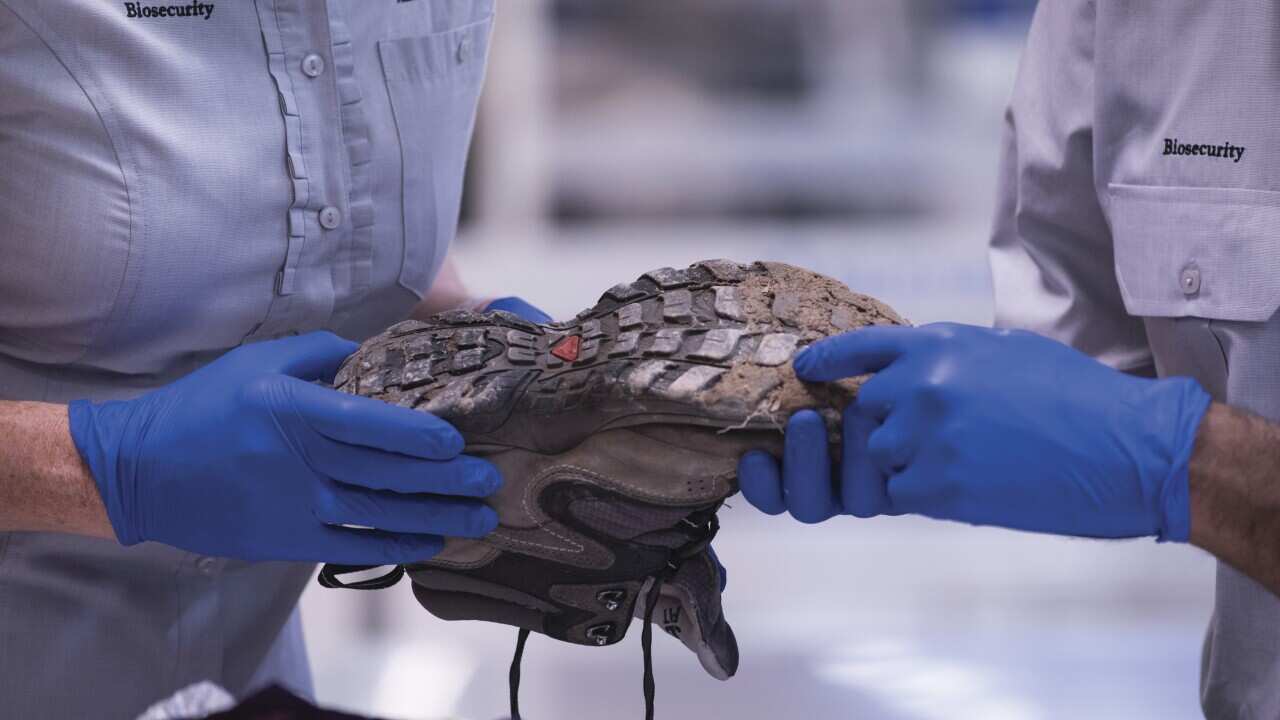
1202, 252
445, 54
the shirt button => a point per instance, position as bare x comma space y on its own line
312, 65
464, 50
1189, 280
330, 217
207, 565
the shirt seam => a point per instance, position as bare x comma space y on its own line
124, 179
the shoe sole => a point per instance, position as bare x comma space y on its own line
709, 345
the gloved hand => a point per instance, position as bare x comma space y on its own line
518, 306
988, 427
247, 458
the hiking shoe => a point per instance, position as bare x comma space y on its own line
618, 434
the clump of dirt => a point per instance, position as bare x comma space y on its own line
788, 298
792, 300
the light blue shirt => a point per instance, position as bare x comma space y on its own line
177, 179
1139, 221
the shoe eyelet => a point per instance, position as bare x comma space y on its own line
611, 599
600, 634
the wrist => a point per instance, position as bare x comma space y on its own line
1235, 507
110, 466
1222, 441
44, 484
1188, 406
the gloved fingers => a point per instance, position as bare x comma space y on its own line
807, 487
519, 307
878, 396
853, 353
760, 480
356, 420
920, 492
381, 470
863, 489
354, 546
891, 446
313, 356
397, 512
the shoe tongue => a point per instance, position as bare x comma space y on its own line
689, 609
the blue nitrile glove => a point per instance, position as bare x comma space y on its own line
519, 307
989, 427
247, 458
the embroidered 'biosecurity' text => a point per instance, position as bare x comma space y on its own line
1227, 151
192, 9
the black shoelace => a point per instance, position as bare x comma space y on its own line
705, 529
513, 677
701, 527
331, 572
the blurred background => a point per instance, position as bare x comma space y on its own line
855, 137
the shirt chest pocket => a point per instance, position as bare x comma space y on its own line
434, 83
1196, 252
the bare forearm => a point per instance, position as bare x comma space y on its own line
44, 485
1235, 492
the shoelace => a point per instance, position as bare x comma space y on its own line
646, 644
513, 678
702, 528
330, 572
706, 531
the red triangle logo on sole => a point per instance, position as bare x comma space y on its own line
567, 349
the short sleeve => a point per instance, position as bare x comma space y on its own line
1051, 254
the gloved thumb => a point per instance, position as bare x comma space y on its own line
854, 353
